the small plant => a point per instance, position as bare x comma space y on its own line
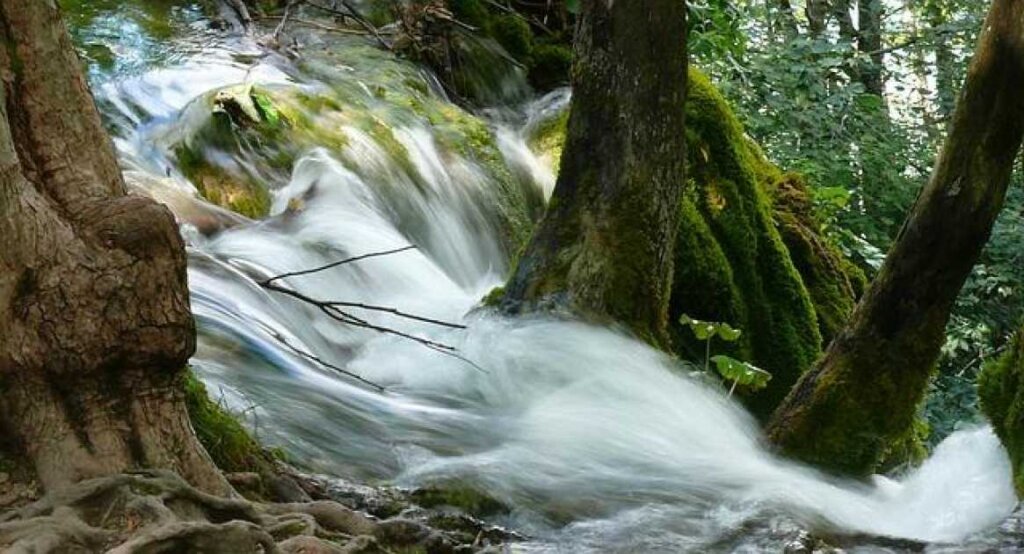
731, 369
741, 373
707, 330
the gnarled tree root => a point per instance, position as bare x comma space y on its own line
157, 511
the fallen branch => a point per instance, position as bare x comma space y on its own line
333, 309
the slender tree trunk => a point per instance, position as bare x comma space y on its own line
817, 16
863, 394
945, 80
781, 16
869, 42
605, 246
95, 327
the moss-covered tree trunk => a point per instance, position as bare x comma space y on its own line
605, 246
95, 327
863, 394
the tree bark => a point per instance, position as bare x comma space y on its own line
95, 327
869, 42
864, 393
817, 16
605, 245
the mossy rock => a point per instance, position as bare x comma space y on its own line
465, 498
547, 138
1001, 391
834, 282
360, 90
731, 263
550, 65
239, 141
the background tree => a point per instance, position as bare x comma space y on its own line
864, 393
95, 327
605, 245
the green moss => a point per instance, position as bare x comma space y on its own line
833, 281
228, 443
1001, 391
493, 298
472, 12
550, 65
514, 35
731, 263
236, 193
547, 138
468, 499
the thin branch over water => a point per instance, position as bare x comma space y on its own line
333, 309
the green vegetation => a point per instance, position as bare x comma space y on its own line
468, 499
1001, 389
222, 435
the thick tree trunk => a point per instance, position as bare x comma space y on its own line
95, 327
605, 246
864, 393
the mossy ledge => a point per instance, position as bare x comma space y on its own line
1001, 390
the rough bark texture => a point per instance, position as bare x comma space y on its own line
95, 327
605, 246
863, 394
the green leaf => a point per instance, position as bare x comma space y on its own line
741, 372
728, 333
572, 6
705, 330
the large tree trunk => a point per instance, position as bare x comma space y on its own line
605, 246
95, 327
864, 393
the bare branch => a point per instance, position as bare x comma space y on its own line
333, 309
336, 264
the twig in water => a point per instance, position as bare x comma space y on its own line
333, 309
327, 364
335, 264
284, 20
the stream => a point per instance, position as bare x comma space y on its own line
596, 442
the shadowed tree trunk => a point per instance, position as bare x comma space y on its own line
864, 393
95, 327
869, 42
605, 246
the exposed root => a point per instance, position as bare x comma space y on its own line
153, 511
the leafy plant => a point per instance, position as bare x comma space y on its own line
707, 330
741, 373
731, 369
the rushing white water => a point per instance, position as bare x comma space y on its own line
598, 442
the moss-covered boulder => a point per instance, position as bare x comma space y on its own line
368, 109
1001, 391
833, 281
731, 263
750, 251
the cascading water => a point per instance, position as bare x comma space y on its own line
597, 442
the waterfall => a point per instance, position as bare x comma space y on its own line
597, 442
